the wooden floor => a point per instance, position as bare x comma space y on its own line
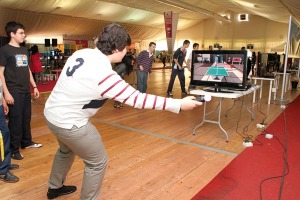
152, 154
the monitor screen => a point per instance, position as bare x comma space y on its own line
219, 68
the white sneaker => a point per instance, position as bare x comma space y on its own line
33, 145
169, 94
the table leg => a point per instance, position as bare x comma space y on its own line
219, 120
261, 88
275, 83
285, 84
254, 93
250, 110
270, 92
203, 120
211, 121
288, 81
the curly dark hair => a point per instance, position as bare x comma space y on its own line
113, 37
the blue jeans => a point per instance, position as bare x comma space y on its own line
4, 165
142, 79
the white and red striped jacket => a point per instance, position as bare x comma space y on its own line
86, 82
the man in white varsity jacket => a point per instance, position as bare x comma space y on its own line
86, 82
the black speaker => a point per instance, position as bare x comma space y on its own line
250, 46
3, 41
54, 42
259, 65
216, 45
243, 17
47, 42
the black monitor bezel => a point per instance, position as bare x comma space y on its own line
229, 85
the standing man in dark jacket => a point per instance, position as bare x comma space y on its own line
178, 69
144, 66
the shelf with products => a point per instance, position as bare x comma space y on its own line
70, 46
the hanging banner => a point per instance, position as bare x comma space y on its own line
294, 43
168, 24
171, 21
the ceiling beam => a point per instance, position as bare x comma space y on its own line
193, 8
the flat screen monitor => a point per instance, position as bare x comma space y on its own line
219, 69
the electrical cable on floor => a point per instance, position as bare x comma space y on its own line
256, 139
285, 155
245, 137
285, 170
264, 114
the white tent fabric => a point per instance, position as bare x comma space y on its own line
72, 27
279, 49
143, 19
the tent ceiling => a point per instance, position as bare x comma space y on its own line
142, 18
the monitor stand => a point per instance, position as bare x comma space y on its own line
217, 89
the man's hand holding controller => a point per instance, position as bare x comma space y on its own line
190, 102
203, 98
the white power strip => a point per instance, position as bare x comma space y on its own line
260, 126
269, 136
248, 144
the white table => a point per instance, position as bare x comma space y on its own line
262, 79
287, 80
293, 71
296, 71
221, 96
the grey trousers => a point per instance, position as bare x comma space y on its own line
86, 143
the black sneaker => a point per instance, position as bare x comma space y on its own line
9, 177
13, 166
192, 87
54, 193
17, 156
32, 145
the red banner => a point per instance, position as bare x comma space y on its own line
168, 23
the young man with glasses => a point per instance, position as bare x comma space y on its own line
16, 79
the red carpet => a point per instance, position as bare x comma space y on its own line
48, 87
241, 179
156, 68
